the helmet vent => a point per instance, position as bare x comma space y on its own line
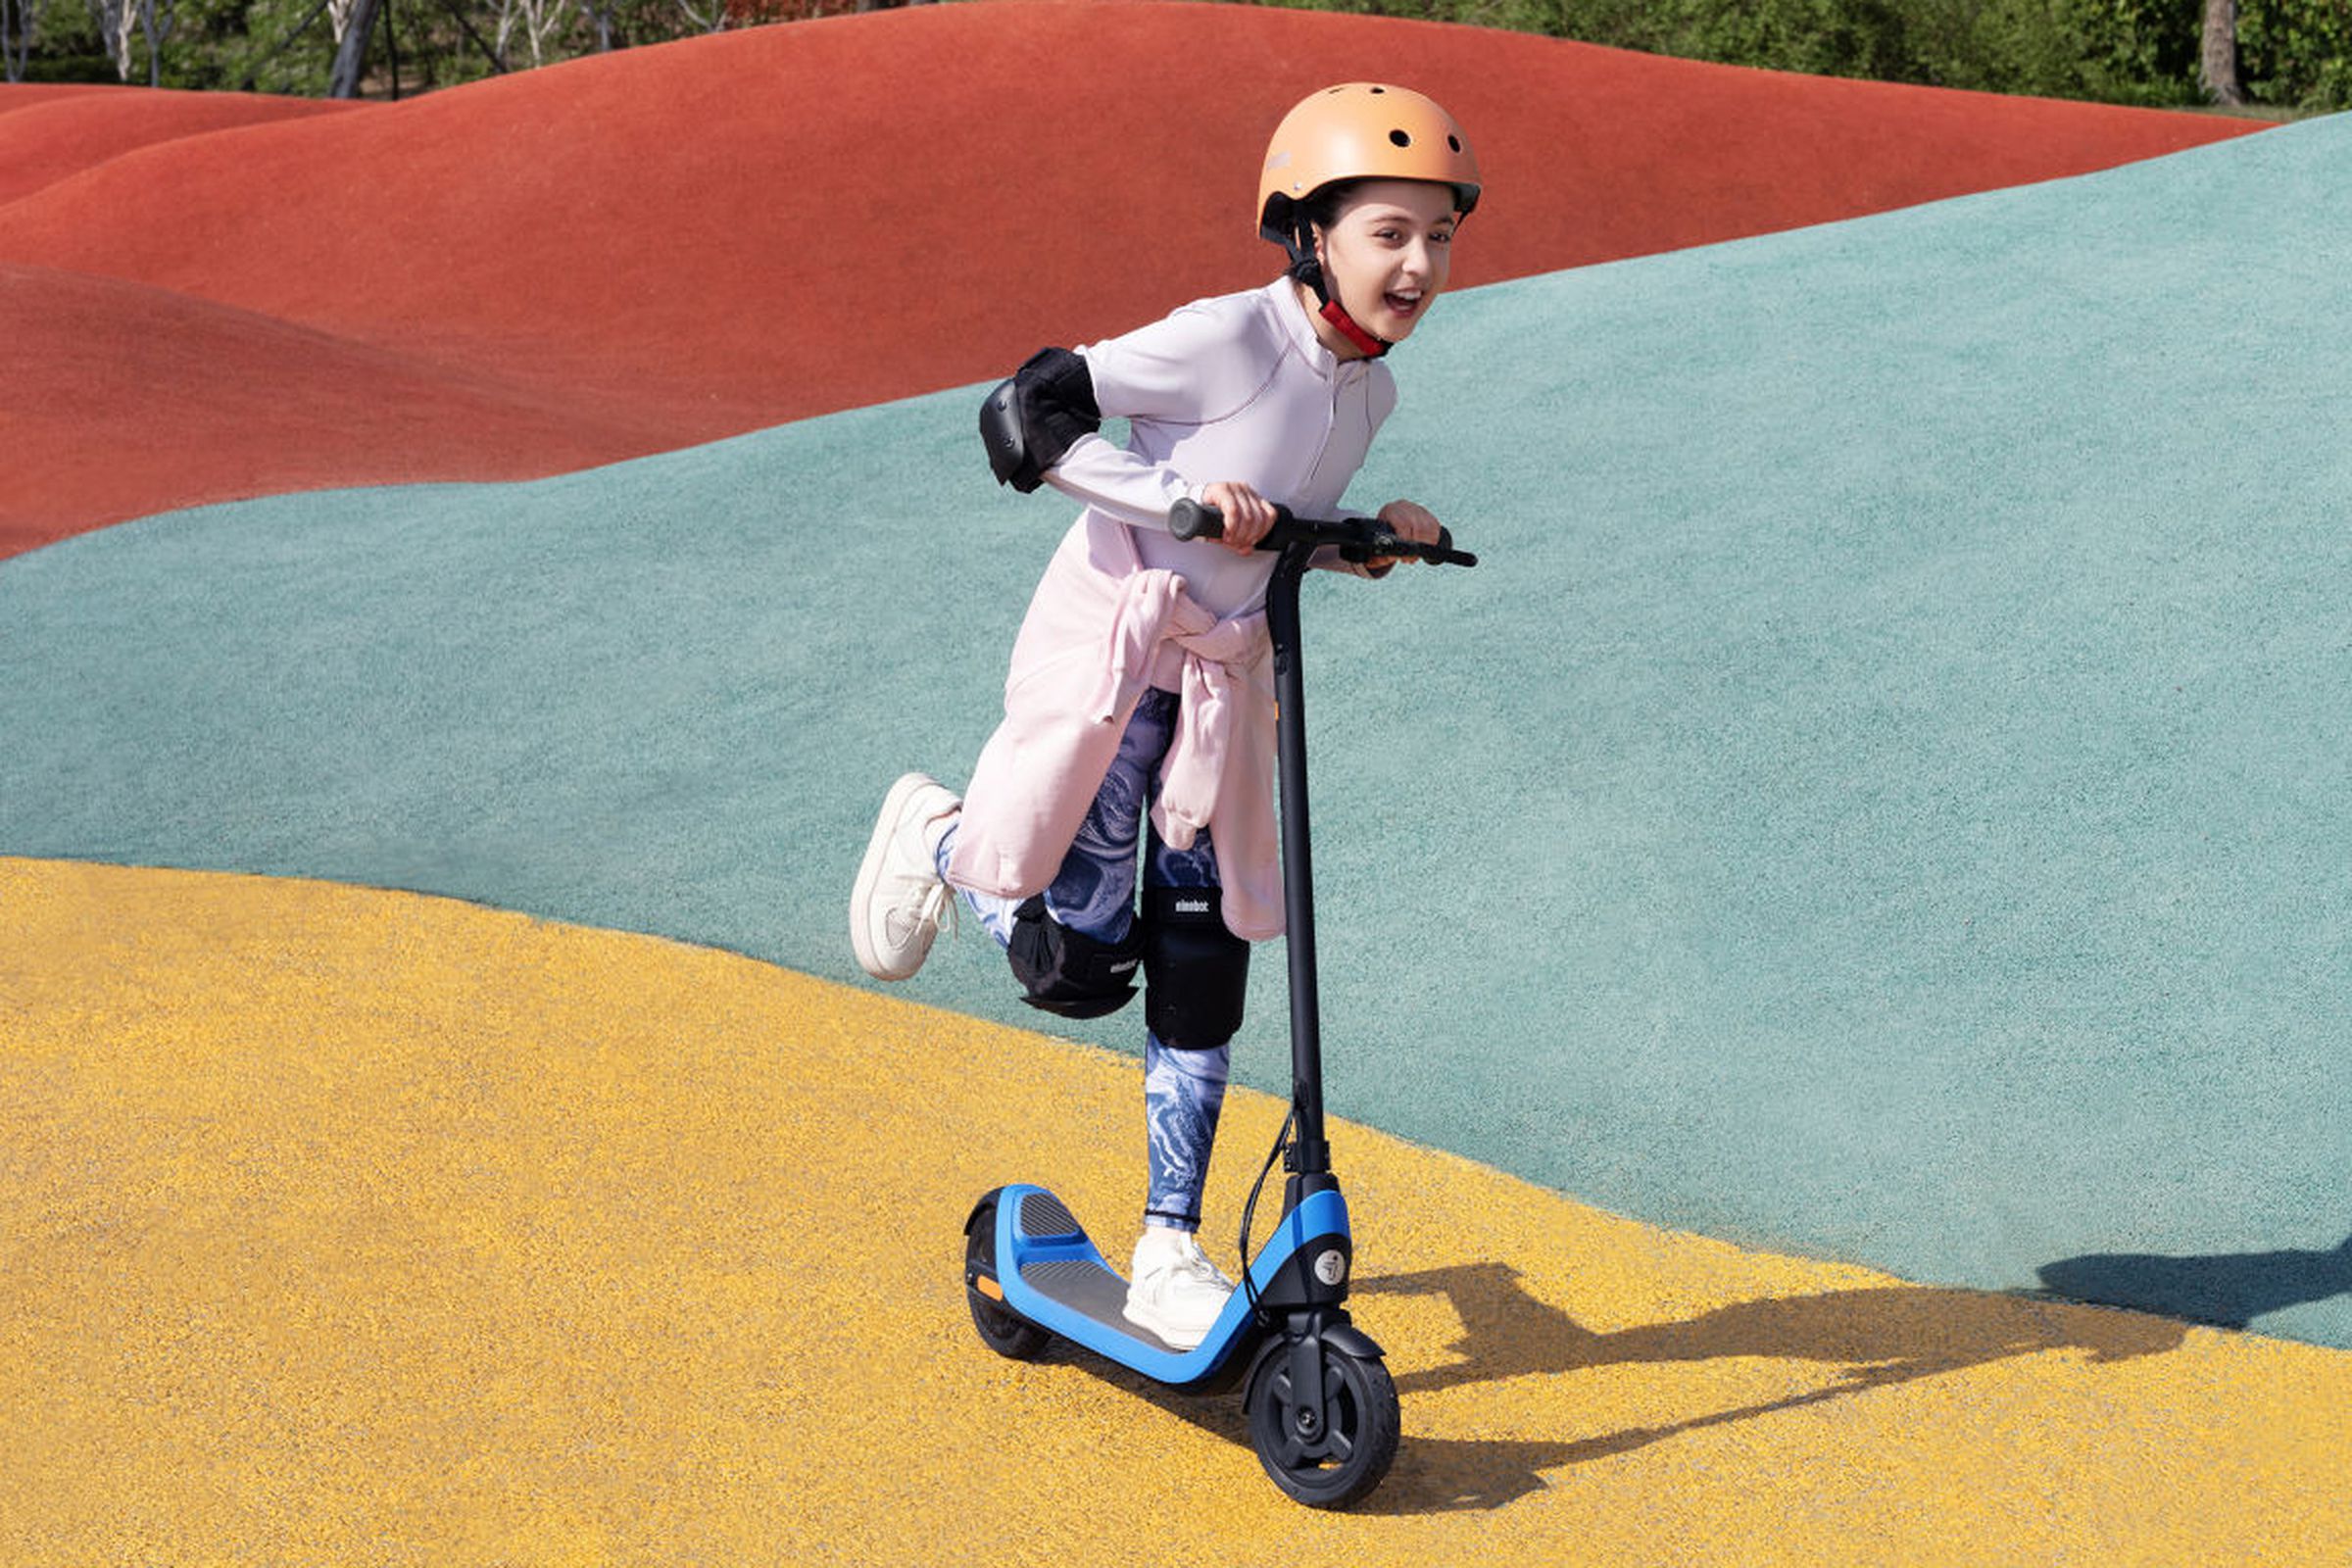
1455, 142
1401, 138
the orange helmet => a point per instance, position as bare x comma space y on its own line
1359, 130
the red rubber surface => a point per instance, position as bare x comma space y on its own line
55, 132
670, 245
152, 394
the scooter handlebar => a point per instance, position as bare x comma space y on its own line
1357, 539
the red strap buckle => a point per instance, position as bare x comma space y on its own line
1337, 317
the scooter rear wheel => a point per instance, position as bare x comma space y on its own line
1351, 1438
1001, 1329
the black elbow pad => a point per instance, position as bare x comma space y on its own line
1028, 422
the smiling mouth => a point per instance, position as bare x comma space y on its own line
1404, 304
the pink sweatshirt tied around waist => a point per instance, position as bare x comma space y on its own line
1099, 630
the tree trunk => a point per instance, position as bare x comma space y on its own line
155, 43
119, 18
496, 56
2217, 68
351, 56
18, 20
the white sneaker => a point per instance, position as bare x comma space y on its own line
898, 900
1174, 1289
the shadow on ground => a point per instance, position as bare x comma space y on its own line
2229, 1290
1880, 1338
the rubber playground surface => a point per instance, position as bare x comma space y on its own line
1849, 877
359, 1226
305, 295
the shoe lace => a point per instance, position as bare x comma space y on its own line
1196, 1262
940, 906
938, 909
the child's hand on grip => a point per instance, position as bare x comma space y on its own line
1408, 520
1247, 515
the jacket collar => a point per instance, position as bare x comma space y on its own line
1294, 321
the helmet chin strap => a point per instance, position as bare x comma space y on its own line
1309, 271
1337, 314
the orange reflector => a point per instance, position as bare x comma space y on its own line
989, 1287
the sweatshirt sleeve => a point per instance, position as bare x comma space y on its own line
1195, 367
1119, 483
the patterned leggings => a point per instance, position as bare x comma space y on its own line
1095, 893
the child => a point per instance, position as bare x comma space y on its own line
1139, 703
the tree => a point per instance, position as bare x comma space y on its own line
539, 19
353, 21
119, 21
19, 22
2217, 66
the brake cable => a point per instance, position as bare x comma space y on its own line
1282, 1141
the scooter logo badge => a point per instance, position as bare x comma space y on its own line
1331, 1266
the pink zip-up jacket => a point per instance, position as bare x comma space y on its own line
1230, 389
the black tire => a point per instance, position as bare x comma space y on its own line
1356, 1427
1001, 1329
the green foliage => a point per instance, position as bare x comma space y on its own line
1819, 37
2297, 53
251, 45
66, 47
2294, 53
2117, 51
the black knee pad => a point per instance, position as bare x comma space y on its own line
1197, 972
1066, 971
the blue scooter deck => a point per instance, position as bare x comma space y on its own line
1087, 1285
1053, 1274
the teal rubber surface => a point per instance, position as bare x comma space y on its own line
1884, 794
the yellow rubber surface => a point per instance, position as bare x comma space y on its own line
354, 1227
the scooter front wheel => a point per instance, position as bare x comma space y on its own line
1001, 1328
1330, 1451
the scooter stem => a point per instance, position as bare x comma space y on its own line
1311, 1158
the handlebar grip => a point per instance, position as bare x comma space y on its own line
1194, 520
1443, 553
1190, 520
1356, 540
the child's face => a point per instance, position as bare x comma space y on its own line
1388, 255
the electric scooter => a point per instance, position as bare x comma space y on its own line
1322, 1408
